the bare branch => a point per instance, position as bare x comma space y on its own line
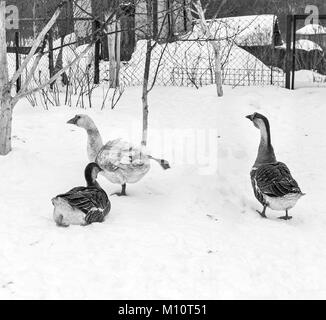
216, 47
34, 67
55, 77
37, 42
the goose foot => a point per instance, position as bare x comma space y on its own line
119, 194
122, 193
262, 214
286, 217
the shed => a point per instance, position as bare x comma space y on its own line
254, 30
170, 18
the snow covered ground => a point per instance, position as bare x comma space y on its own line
307, 78
187, 233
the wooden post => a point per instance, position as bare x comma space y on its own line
51, 60
112, 52
294, 50
288, 52
155, 19
17, 45
118, 53
97, 56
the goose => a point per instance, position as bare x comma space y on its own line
82, 205
272, 182
121, 162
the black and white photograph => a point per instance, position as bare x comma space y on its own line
162, 150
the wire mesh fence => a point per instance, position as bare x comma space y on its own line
249, 51
191, 63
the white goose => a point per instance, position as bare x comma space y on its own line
121, 162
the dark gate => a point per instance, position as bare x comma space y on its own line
305, 51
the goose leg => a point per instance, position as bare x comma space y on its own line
123, 191
262, 214
286, 217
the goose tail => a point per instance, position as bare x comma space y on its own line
163, 163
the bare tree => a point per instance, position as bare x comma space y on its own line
5, 88
149, 49
153, 37
7, 100
205, 27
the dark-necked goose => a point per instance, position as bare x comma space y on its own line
82, 205
121, 162
273, 185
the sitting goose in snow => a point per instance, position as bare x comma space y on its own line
273, 185
82, 205
121, 162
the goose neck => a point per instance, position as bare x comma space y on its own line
265, 151
94, 143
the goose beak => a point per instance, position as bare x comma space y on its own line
250, 117
73, 120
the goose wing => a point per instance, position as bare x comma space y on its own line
86, 199
275, 180
118, 154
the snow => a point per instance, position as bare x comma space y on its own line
187, 62
190, 232
307, 78
190, 61
303, 44
312, 29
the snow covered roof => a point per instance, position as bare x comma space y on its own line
303, 44
192, 62
254, 30
312, 29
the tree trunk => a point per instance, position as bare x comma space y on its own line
5, 98
5, 125
112, 39
216, 47
149, 49
218, 70
145, 92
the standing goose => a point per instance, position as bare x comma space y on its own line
82, 205
121, 162
273, 185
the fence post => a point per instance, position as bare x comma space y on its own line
288, 52
118, 53
17, 45
294, 49
51, 60
97, 55
112, 41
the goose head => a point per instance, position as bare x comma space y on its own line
83, 121
91, 172
259, 120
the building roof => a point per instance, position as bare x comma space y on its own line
254, 30
312, 29
303, 44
